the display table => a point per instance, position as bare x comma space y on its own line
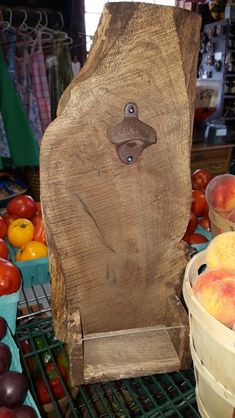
215, 158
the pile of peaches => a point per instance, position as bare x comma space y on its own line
220, 195
217, 194
215, 287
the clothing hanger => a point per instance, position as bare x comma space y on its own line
57, 35
36, 33
62, 19
3, 22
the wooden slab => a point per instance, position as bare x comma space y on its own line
113, 229
121, 354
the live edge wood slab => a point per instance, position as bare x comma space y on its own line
116, 195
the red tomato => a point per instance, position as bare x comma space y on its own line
39, 209
205, 223
192, 225
6, 412
10, 278
3, 228
39, 232
9, 218
36, 218
3, 249
198, 202
23, 206
197, 239
206, 211
186, 237
200, 179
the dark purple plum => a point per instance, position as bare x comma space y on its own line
3, 327
24, 411
5, 354
13, 389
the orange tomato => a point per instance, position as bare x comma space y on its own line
31, 251
20, 231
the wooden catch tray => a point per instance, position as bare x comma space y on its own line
139, 351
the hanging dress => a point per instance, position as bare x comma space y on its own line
21, 141
25, 90
40, 84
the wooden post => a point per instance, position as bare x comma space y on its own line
116, 195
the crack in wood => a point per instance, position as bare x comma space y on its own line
84, 206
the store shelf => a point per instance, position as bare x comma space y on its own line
164, 395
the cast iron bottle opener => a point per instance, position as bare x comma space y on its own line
131, 136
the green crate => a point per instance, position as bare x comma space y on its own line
8, 308
16, 366
33, 271
163, 395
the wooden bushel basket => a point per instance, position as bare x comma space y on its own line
219, 224
116, 195
213, 352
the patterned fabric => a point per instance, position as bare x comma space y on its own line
11, 52
7, 37
40, 86
59, 71
53, 83
62, 53
25, 90
22, 144
4, 148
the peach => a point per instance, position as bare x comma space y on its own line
215, 290
220, 193
221, 252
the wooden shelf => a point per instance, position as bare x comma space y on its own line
229, 96
229, 75
215, 158
203, 146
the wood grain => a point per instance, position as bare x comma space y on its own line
121, 355
113, 230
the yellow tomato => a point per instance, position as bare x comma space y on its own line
20, 231
32, 250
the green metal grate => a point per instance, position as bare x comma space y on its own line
164, 395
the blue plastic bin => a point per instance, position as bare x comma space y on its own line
8, 309
16, 366
33, 271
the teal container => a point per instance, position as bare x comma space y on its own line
33, 271
16, 366
8, 309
